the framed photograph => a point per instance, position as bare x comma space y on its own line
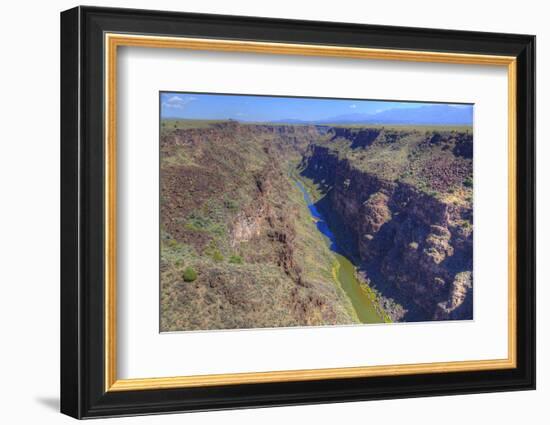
261, 212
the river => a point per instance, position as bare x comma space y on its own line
343, 270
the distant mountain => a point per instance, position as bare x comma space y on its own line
439, 114
291, 121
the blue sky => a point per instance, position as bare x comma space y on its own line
266, 108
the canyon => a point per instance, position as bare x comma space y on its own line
397, 200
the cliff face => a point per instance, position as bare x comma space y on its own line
359, 138
281, 138
398, 200
262, 218
227, 211
417, 248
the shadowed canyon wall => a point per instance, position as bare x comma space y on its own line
415, 248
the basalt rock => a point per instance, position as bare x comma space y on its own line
227, 210
416, 246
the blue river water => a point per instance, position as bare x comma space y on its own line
343, 270
320, 222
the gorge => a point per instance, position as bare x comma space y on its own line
251, 206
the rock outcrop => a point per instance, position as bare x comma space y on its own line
226, 211
416, 248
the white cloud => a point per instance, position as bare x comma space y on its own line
178, 101
353, 106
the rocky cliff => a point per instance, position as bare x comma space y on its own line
230, 212
415, 247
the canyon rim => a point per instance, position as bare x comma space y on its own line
289, 211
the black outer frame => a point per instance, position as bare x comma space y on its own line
82, 218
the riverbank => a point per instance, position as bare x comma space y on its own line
362, 297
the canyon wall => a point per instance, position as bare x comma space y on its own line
230, 212
416, 248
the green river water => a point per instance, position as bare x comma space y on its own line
361, 296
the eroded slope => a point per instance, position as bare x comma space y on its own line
230, 212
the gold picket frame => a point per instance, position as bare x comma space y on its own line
113, 41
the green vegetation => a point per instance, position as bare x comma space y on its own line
236, 259
466, 225
231, 205
315, 190
189, 274
202, 223
181, 124
435, 160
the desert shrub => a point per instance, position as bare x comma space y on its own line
465, 224
189, 274
236, 259
204, 223
217, 256
198, 222
231, 205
